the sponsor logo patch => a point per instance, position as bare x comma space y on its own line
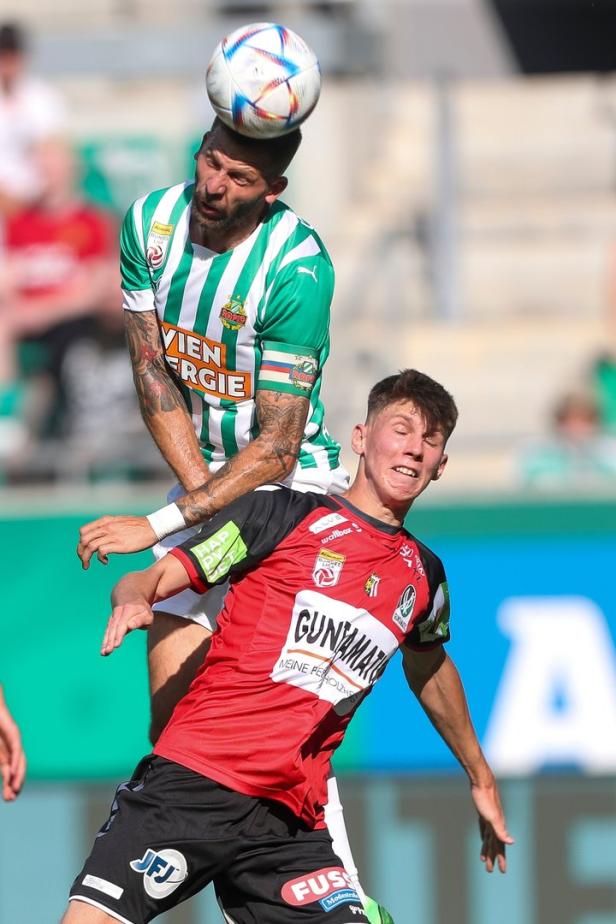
163, 871
336, 534
404, 610
220, 552
328, 568
333, 650
103, 885
330, 886
326, 522
201, 364
233, 314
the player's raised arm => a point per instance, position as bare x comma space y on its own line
268, 458
433, 678
162, 406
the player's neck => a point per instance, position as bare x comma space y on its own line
363, 496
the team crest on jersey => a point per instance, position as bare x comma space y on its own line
158, 242
233, 314
303, 374
372, 585
404, 610
328, 568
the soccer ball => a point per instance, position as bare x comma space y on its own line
263, 80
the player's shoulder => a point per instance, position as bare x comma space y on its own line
300, 238
433, 565
162, 200
301, 503
277, 509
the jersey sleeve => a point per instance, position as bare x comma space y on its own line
242, 534
295, 329
432, 626
136, 283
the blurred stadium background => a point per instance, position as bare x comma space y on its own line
461, 167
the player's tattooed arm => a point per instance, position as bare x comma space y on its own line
269, 457
162, 405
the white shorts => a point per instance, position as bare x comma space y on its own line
204, 608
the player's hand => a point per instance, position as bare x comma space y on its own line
118, 535
123, 620
375, 913
12, 757
492, 826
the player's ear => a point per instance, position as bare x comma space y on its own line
358, 439
441, 467
276, 188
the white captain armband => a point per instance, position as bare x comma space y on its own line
167, 520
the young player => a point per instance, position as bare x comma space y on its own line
227, 297
324, 590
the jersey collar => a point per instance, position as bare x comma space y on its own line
372, 521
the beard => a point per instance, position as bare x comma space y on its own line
244, 215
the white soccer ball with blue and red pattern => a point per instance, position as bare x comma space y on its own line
263, 80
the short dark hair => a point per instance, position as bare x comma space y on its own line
433, 402
278, 151
12, 38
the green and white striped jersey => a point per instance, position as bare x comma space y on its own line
254, 317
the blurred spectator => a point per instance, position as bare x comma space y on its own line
59, 269
12, 758
579, 453
31, 112
100, 433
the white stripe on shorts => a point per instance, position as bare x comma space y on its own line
90, 901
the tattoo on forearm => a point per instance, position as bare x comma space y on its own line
156, 390
271, 456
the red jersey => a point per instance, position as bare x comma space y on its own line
321, 597
47, 247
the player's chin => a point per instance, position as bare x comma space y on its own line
405, 488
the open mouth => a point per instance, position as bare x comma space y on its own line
208, 211
409, 472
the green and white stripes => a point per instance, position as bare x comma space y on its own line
254, 316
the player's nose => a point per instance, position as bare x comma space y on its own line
215, 184
414, 446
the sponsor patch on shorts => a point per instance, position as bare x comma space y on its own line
330, 886
102, 885
342, 897
163, 871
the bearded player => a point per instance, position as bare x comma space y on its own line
227, 297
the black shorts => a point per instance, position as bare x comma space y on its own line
172, 831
